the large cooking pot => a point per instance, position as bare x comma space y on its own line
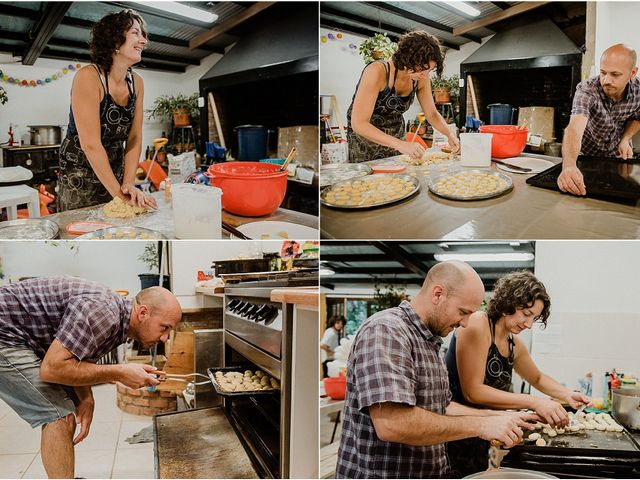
250, 189
626, 407
45, 134
510, 473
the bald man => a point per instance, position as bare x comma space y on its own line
398, 411
52, 331
605, 116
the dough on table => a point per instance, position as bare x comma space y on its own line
118, 208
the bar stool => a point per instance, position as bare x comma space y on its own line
11, 197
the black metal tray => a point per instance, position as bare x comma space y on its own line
220, 391
603, 178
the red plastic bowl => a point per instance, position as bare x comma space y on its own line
508, 140
250, 189
335, 387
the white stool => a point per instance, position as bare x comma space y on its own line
11, 197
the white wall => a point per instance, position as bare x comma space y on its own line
341, 66
113, 263
616, 22
595, 321
49, 104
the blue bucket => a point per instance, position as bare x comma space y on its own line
252, 142
501, 114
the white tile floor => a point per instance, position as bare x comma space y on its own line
103, 454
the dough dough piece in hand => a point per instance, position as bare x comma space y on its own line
118, 208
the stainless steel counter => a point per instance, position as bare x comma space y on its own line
525, 212
162, 219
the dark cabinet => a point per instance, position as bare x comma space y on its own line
42, 161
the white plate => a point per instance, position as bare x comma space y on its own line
276, 231
536, 165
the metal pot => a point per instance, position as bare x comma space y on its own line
626, 407
45, 134
510, 473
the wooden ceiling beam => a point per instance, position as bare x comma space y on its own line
229, 24
497, 17
395, 252
362, 31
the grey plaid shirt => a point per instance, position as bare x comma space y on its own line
606, 118
394, 358
88, 318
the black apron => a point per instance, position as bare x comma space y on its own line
386, 116
78, 185
471, 455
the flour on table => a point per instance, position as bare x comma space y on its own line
117, 208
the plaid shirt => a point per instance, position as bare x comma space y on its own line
88, 318
394, 358
606, 118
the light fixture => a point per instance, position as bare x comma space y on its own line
325, 271
182, 10
485, 257
465, 8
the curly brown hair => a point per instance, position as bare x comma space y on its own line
518, 290
416, 49
109, 33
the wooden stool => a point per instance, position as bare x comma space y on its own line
11, 197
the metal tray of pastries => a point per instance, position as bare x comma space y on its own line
372, 191
338, 172
122, 233
242, 381
470, 184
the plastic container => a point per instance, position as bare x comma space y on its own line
508, 140
475, 149
250, 189
252, 142
275, 161
197, 211
335, 387
500, 114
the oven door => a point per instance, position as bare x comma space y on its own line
199, 443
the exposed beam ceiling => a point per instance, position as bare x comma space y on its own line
229, 24
395, 252
46, 25
502, 5
417, 18
497, 17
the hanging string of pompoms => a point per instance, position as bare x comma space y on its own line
5, 77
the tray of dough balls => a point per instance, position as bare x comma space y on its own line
586, 431
470, 184
240, 381
122, 233
371, 191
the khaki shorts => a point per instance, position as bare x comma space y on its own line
35, 401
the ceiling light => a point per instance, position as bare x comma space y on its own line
485, 257
465, 8
182, 10
326, 271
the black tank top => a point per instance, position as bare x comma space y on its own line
498, 370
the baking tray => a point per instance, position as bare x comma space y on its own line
434, 180
413, 180
128, 233
212, 375
338, 172
29, 229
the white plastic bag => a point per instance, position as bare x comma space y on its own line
181, 166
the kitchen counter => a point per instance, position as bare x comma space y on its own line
524, 212
308, 297
162, 219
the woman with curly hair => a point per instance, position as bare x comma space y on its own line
386, 90
481, 359
100, 154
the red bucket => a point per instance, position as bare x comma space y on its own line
250, 189
508, 140
336, 387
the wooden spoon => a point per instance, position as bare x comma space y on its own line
291, 156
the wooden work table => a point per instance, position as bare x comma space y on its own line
524, 212
162, 219
307, 297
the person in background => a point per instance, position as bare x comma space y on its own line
386, 90
398, 412
100, 154
481, 359
52, 332
331, 340
605, 116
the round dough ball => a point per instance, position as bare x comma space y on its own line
534, 436
553, 433
541, 442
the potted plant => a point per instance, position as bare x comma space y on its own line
391, 297
378, 47
180, 107
150, 257
444, 88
